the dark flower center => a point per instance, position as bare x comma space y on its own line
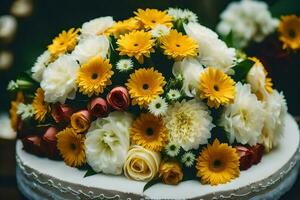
158, 105
217, 163
73, 146
178, 45
94, 76
149, 131
136, 45
172, 147
153, 21
292, 33
145, 86
216, 88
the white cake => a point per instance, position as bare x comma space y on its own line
41, 178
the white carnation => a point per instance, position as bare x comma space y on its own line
245, 24
190, 69
107, 143
40, 65
91, 46
59, 80
97, 26
276, 111
212, 51
244, 119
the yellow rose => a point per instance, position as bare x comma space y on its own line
141, 164
81, 121
170, 172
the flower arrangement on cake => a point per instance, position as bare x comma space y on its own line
156, 97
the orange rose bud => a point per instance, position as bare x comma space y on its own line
119, 98
98, 107
170, 172
81, 121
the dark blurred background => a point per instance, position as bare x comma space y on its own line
36, 29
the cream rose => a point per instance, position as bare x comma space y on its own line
141, 164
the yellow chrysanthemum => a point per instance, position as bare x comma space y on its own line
217, 87
94, 76
136, 44
153, 17
14, 118
178, 46
125, 26
149, 132
144, 85
64, 42
40, 106
71, 147
289, 32
218, 164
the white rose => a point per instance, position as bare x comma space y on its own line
97, 26
40, 66
190, 69
91, 46
107, 143
59, 79
212, 51
141, 164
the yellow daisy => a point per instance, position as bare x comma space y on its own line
217, 87
144, 85
289, 32
153, 17
136, 44
64, 42
14, 117
71, 147
40, 106
94, 76
149, 132
218, 164
125, 26
178, 46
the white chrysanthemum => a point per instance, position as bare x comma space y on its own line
160, 30
212, 51
245, 24
180, 14
7, 131
91, 46
107, 143
244, 119
26, 111
97, 26
188, 159
59, 80
190, 69
172, 149
276, 111
158, 106
189, 124
173, 94
124, 65
40, 66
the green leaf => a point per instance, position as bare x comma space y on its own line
241, 70
151, 183
90, 172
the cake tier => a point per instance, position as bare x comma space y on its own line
41, 178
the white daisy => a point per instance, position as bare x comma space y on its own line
189, 16
172, 149
124, 65
25, 111
184, 15
160, 30
188, 159
173, 94
175, 13
158, 106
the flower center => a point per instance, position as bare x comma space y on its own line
217, 164
292, 33
172, 147
158, 105
178, 45
136, 45
149, 131
145, 86
73, 146
94, 76
153, 21
216, 88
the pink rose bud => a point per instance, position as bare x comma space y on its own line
32, 144
258, 151
98, 107
61, 112
49, 141
119, 98
246, 157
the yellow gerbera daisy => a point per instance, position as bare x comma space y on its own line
40, 106
217, 87
218, 164
144, 85
178, 46
64, 42
71, 147
14, 117
149, 132
125, 26
289, 32
153, 17
136, 44
94, 76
